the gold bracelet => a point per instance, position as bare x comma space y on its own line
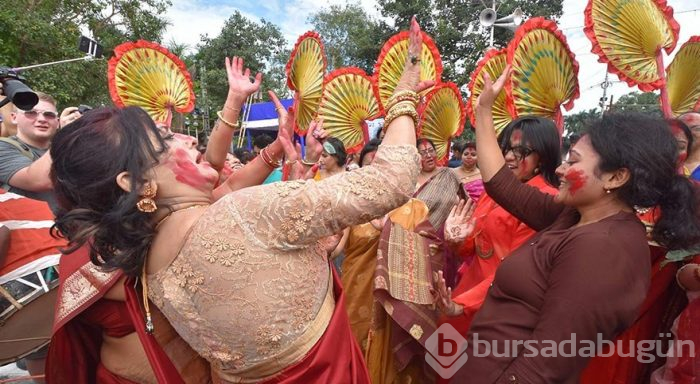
402, 96
221, 117
308, 163
401, 109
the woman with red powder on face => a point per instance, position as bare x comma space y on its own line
586, 272
93, 324
468, 173
531, 150
242, 279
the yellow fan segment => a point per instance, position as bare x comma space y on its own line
348, 101
493, 63
629, 35
442, 117
683, 76
147, 75
305, 71
544, 75
392, 59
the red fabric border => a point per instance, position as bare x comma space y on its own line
589, 27
479, 66
403, 35
462, 112
528, 26
123, 48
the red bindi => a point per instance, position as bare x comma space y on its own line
576, 179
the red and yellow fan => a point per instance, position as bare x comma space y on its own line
629, 37
392, 58
683, 78
545, 72
147, 75
348, 101
493, 63
442, 117
305, 70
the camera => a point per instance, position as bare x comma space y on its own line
14, 87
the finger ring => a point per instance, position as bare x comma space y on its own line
414, 59
278, 108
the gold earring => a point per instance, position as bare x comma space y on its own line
147, 204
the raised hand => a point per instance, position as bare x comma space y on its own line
460, 223
491, 90
410, 78
239, 83
314, 140
443, 298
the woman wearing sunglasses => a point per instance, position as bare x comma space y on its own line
530, 146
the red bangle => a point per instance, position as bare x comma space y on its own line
267, 159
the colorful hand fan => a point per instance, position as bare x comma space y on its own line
442, 117
683, 78
629, 36
392, 58
305, 70
147, 75
348, 101
493, 63
545, 72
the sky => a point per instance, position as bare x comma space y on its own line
192, 18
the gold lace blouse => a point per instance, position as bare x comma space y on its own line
249, 289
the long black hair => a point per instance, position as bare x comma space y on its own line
371, 146
542, 136
87, 155
646, 147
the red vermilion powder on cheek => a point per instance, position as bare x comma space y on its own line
186, 171
576, 180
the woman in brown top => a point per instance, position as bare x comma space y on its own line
584, 275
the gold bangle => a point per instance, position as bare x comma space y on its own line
221, 117
401, 109
402, 96
308, 163
232, 109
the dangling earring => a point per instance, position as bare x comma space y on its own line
147, 204
607, 191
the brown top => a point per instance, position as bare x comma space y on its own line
588, 281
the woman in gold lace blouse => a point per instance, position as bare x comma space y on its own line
243, 279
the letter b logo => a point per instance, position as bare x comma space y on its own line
446, 351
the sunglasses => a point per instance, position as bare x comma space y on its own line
32, 114
519, 151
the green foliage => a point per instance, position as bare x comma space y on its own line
34, 32
262, 47
350, 36
642, 102
576, 123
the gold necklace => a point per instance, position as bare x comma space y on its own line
178, 210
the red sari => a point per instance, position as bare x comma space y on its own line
83, 315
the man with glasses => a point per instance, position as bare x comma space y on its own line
692, 120
24, 158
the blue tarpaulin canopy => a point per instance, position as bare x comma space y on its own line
263, 115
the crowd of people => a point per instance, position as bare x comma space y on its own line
183, 264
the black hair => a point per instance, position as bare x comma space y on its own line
646, 147
542, 136
262, 141
340, 155
87, 155
371, 146
680, 125
243, 155
469, 144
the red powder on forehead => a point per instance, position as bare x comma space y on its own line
576, 179
516, 137
186, 171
